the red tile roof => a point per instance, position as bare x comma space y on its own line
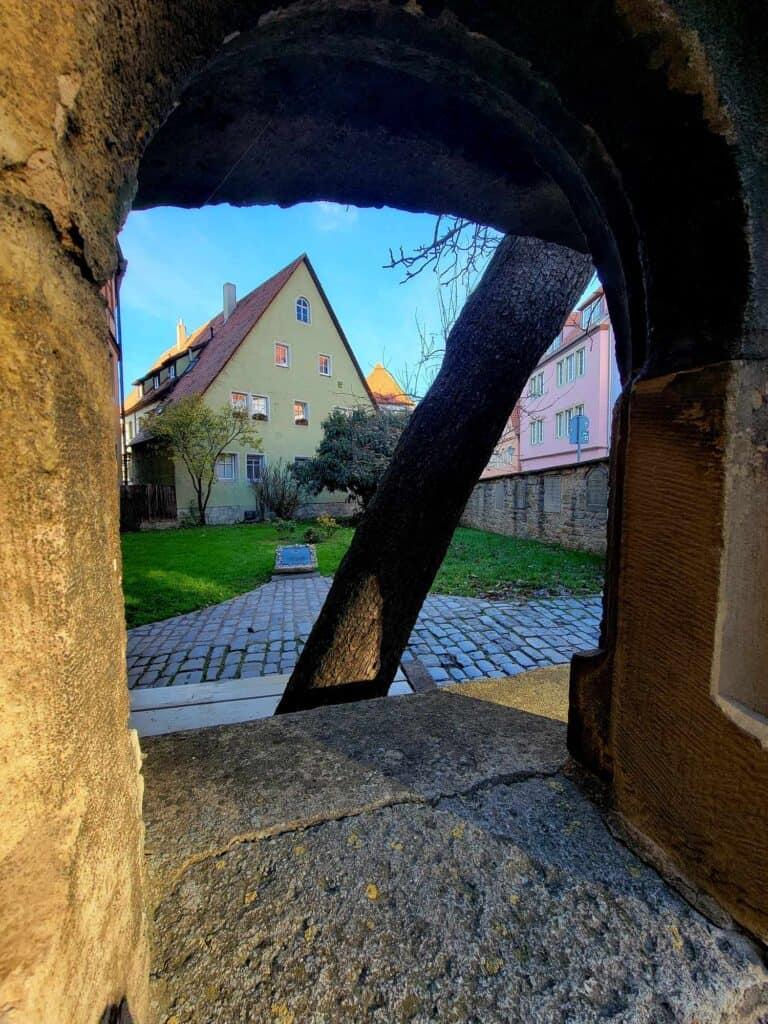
226, 338
217, 341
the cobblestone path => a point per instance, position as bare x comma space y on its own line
262, 632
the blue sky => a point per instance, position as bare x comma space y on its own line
179, 259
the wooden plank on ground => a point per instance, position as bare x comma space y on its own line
149, 697
162, 721
157, 711
418, 676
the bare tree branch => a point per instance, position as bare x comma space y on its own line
458, 252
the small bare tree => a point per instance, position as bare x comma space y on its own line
197, 436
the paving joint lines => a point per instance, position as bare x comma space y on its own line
455, 638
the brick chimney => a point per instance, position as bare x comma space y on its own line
230, 300
181, 334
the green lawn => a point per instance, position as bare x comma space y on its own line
169, 572
489, 565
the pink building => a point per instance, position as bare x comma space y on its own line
506, 454
577, 375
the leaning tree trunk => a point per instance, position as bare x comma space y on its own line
506, 324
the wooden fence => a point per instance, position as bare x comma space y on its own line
146, 503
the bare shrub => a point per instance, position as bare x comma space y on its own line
278, 491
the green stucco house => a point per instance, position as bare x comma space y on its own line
280, 354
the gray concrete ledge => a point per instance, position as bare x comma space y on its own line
433, 858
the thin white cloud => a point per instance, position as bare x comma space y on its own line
334, 217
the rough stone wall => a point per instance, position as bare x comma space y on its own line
228, 515
336, 509
215, 515
73, 934
567, 505
73, 938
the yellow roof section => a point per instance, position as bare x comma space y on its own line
385, 388
132, 399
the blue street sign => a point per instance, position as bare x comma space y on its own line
578, 430
578, 433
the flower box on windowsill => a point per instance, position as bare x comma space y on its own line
301, 422
260, 416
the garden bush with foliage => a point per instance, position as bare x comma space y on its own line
355, 450
284, 528
327, 526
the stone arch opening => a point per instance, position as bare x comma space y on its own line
308, 102
652, 159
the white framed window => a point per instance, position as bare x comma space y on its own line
324, 365
555, 343
537, 432
254, 466
581, 362
282, 354
156, 381
129, 425
536, 385
172, 371
226, 467
591, 313
563, 420
303, 310
301, 414
239, 401
570, 368
561, 373
260, 407
301, 460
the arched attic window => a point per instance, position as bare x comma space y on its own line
303, 310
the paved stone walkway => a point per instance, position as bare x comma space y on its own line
262, 632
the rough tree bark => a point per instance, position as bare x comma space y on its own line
506, 324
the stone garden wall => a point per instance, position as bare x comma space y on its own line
229, 515
567, 505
